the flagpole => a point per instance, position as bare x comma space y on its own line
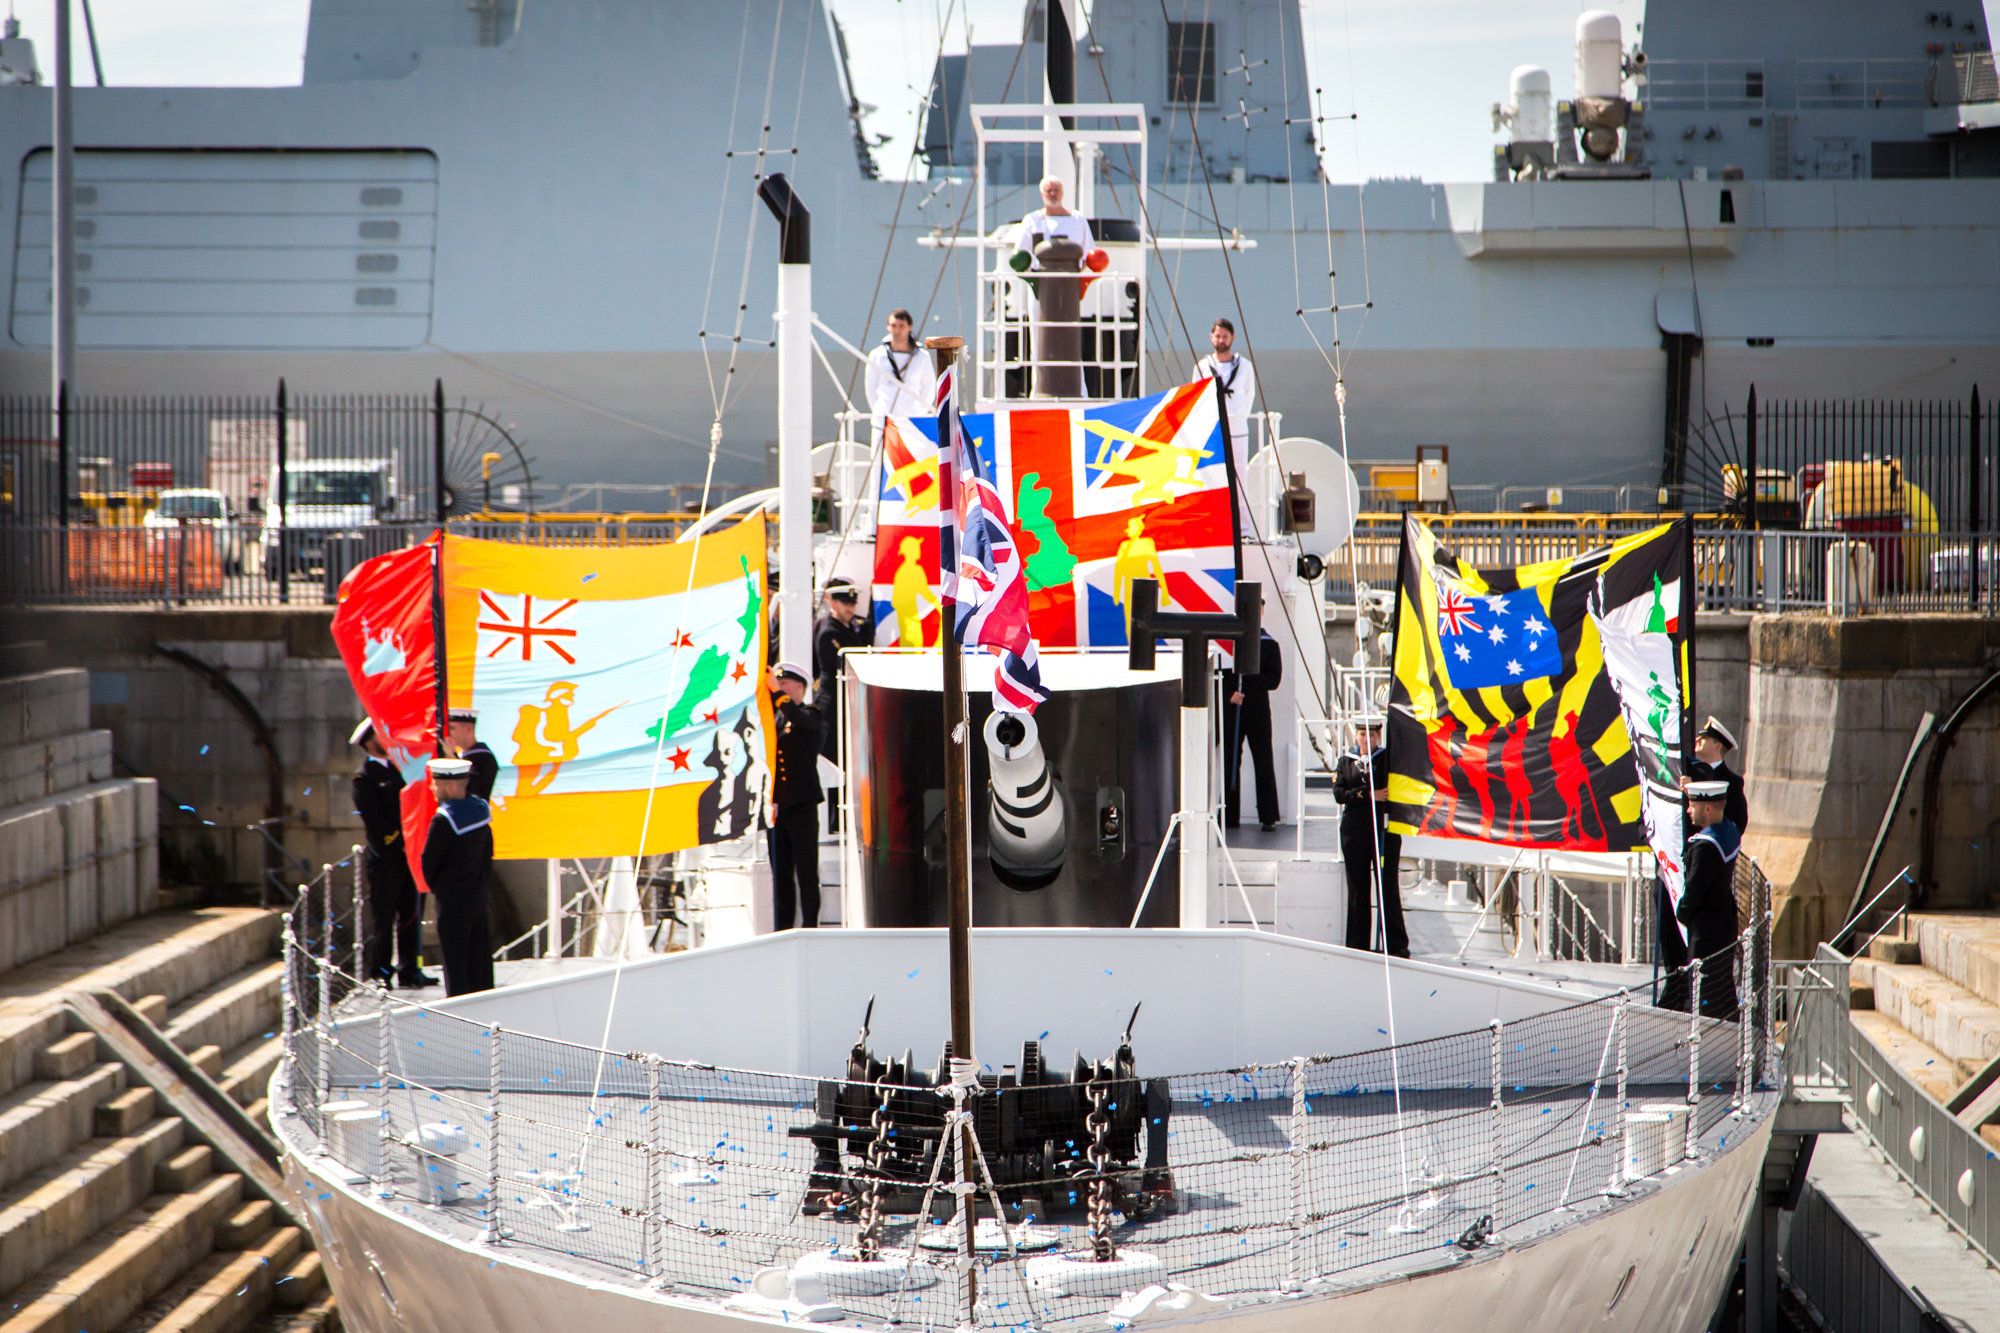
958, 830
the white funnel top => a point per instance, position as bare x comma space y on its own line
1599, 49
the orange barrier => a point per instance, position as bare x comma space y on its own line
172, 562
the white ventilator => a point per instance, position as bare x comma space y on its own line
1027, 823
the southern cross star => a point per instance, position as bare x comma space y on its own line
1513, 668
1464, 653
1497, 634
1535, 626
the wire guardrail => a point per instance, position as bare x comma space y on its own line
1291, 1175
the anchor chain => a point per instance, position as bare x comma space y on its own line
871, 1207
1099, 1125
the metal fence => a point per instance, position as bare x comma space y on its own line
1835, 573
1239, 1182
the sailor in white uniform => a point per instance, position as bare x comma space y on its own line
901, 382
1239, 394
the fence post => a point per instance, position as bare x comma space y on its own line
437, 451
1750, 461
1973, 443
1498, 1132
1294, 1280
278, 502
1694, 1056
288, 995
1746, 1012
491, 1236
62, 488
360, 918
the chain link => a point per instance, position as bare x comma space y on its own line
871, 1207
1099, 1124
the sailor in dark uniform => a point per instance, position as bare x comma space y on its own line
1711, 743
1708, 897
794, 804
458, 856
465, 740
395, 908
1372, 853
1246, 718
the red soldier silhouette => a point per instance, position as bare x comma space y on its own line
1514, 772
1472, 762
1573, 785
1443, 810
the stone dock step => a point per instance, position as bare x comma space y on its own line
112, 1216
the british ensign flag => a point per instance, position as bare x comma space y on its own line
1092, 499
987, 584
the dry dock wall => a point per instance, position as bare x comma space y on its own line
77, 845
1834, 704
168, 721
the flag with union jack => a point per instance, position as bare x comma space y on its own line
1092, 498
988, 588
1543, 705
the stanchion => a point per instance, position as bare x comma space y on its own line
1617, 1186
383, 1189
492, 1234
1694, 1056
1294, 1256
655, 1265
1499, 1143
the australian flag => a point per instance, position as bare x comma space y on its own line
1503, 639
980, 565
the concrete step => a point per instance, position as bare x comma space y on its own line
104, 1281
1936, 1010
52, 1210
44, 705
1927, 1067
185, 1170
237, 1009
1965, 948
174, 954
302, 1284
318, 1316
247, 1071
248, 1227
53, 766
126, 1112
225, 1293
42, 1121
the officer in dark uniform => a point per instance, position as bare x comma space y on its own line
1246, 716
458, 856
1708, 899
842, 627
465, 740
794, 804
395, 908
1372, 853
1711, 744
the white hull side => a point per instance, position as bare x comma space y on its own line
1681, 1241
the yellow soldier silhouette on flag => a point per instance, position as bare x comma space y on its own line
545, 740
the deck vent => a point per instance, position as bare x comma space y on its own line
374, 296
381, 196
380, 229
376, 263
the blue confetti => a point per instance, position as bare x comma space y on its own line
588, 577
913, 973
188, 808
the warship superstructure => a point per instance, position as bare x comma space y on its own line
550, 208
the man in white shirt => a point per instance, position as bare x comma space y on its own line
1239, 392
901, 382
1048, 222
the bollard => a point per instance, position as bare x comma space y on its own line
1058, 314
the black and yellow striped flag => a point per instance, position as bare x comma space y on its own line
1543, 705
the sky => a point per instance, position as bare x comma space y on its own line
1419, 74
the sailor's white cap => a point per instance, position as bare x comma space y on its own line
794, 670
451, 768
1707, 791
1713, 727
362, 731
1371, 719
465, 714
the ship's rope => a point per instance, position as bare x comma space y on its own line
720, 398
